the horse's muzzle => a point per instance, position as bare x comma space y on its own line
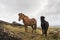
18, 19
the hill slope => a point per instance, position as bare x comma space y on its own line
10, 32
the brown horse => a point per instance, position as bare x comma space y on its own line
28, 22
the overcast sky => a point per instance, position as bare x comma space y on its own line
9, 10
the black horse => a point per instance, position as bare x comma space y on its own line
44, 25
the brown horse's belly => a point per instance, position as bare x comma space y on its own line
28, 23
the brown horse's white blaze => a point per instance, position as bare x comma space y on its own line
28, 22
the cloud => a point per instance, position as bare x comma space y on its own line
53, 8
9, 10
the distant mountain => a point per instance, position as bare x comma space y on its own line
55, 26
13, 23
16, 24
3, 22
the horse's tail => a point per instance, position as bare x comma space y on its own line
34, 20
35, 23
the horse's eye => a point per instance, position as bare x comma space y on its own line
20, 16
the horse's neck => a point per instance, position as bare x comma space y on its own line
25, 18
43, 21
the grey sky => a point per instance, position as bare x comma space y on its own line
9, 10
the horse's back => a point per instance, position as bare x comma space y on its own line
45, 25
34, 19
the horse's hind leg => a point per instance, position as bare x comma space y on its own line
35, 27
32, 28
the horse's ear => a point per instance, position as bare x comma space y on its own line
20, 14
23, 14
42, 17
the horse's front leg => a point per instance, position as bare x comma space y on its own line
25, 28
43, 32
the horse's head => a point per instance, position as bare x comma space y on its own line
21, 15
42, 18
